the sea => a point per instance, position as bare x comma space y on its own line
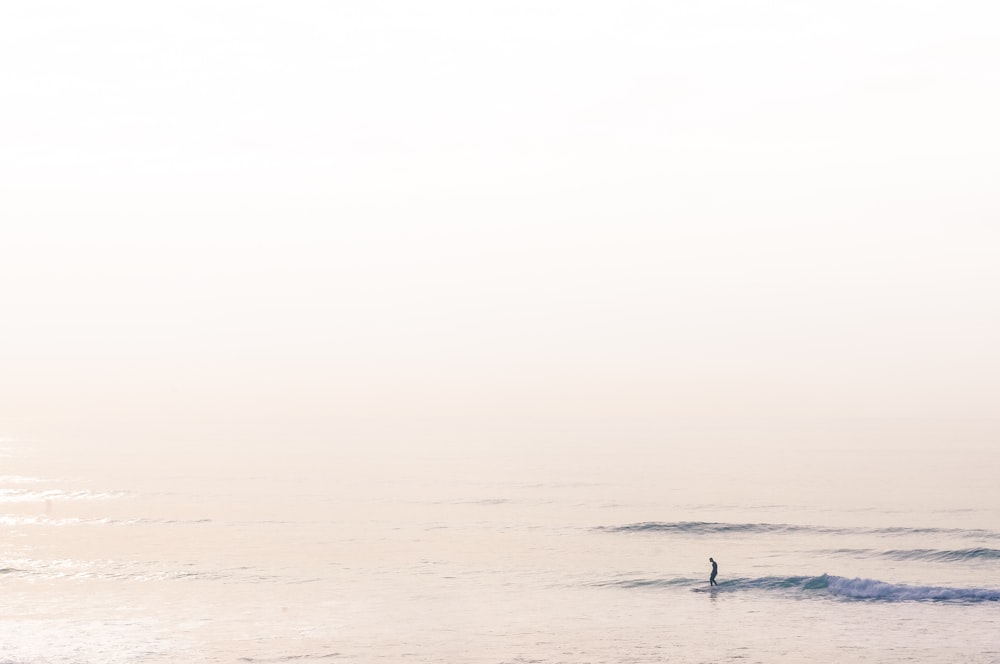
285, 554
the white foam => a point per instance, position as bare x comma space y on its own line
873, 589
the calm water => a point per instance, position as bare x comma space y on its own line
856, 557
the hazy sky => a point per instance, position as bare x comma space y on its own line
290, 220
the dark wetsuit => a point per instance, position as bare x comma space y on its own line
715, 571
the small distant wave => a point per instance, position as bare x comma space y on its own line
140, 521
135, 571
7, 520
18, 479
902, 530
483, 501
13, 521
30, 496
826, 585
959, 555
702, 527
721, 528
290, 658
651, 583
931, 555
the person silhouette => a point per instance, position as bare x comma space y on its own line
715, 571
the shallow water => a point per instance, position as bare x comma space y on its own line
323, 559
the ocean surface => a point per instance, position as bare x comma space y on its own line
276, 556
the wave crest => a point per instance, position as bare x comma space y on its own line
872, 589
714, 527
936, 555
826, 585
701, 527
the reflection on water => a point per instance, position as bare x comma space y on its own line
570, 561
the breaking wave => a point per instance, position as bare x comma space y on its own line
825, 585
872, 589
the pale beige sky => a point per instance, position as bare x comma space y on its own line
255, 221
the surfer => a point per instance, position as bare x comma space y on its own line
715, 571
